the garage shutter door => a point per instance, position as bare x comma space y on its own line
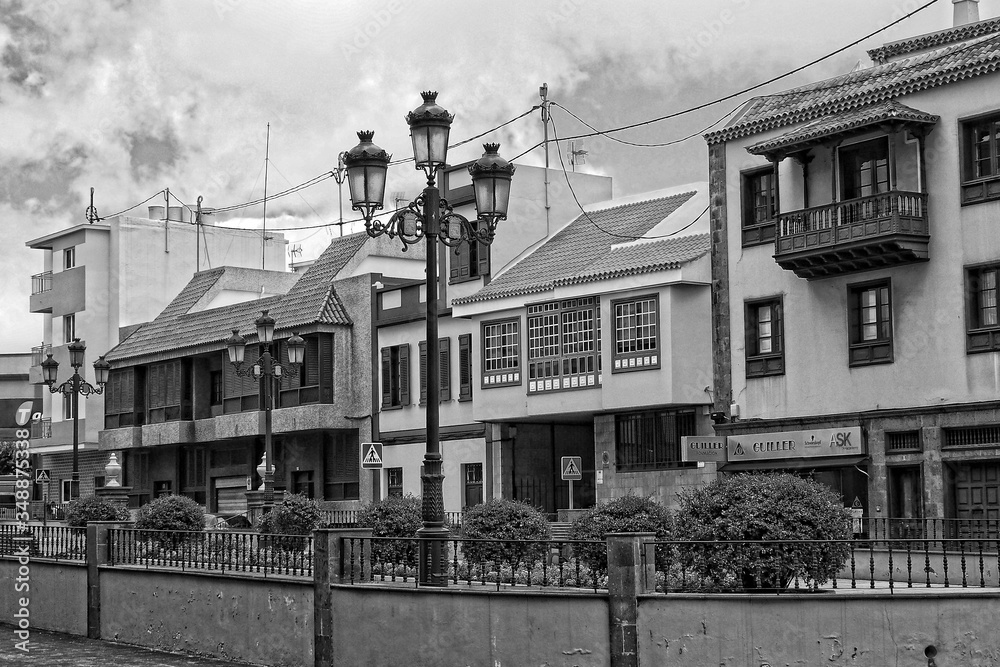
230, 495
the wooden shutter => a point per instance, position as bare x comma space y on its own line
777, 328
750, 329
465, 367
310, 367
325, 364
484, 259
423, 372
459, 261
444, 369
386, 377
854, 316
404, 374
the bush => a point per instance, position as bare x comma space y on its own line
171, 513
294, 515
501, 519
768, 507
81, 511
628, 514
393, 517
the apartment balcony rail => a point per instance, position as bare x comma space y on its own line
854, 235
41, 429
38, 354
41, 282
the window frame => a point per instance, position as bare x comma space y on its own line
69, 257
444, 370
507, 375
341, 472
464, 367
879, 147
757, 363
394, 482
470, 260
395, 373
69, 328
636, 360
629, 456
976, 189
981, 337
552, 368
868, 352
753, 231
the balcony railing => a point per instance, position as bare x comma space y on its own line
854, 235
38, 354
41, 282
41, 429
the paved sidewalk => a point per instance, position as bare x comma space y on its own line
49, 649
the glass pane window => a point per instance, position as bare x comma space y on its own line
563, 344
984, 145
870, 316
765, 343
635, 326
501, 346
987, 299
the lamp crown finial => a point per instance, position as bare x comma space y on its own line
366, 135
492, 149
430, 96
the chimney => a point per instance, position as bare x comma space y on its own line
966, 11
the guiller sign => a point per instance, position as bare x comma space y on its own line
703, 448
795, 444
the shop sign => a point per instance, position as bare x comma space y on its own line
796, 444
703, 448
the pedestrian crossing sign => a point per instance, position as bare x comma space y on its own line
572, 467
371, 455
41, 475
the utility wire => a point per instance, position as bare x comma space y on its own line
126, 210
586, 214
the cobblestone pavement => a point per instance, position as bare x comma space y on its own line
49, 649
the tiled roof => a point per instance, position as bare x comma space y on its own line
843, 122
311, 300
644, 257
580, 252
865, 87
934, 39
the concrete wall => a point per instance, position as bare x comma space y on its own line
378, 626
820, 629
263, 621
57, 595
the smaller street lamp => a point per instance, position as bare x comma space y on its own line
265, 370
75, 387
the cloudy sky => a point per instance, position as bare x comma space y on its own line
132, 97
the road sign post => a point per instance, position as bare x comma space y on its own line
572, 470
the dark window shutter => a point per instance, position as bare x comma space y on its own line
444, 369
853, 316
751, 329
386, 377
113, 394
422, 346
455, 261
465, 367
404, 374
778, 328
311, 363
484, 259
324, 361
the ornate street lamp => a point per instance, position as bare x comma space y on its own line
75, 387
431, 219
265, 370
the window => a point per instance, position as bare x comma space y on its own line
765, 345
760, 206
652, 440
394, 481
167, 392
69, 258
444, 370
395, 376
465, 367
215, 387
869, 323
342, 469
192, 482
69, 490
470, 261
302, 482
69, 328
473, 473
636, 334
864, 168
67, 406
119, 400
982, 320
564, 345
501, 353
902, 441
981, 160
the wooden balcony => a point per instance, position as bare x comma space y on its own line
854, 235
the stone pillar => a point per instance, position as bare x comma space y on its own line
629, 575
116, 494
332, 564
258, 505
97, 554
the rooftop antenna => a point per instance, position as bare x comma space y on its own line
577, 155
197, 236
263, 231
91, 213
295, 250
543, 92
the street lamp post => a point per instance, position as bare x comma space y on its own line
74, 387
431, 219
265, 370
